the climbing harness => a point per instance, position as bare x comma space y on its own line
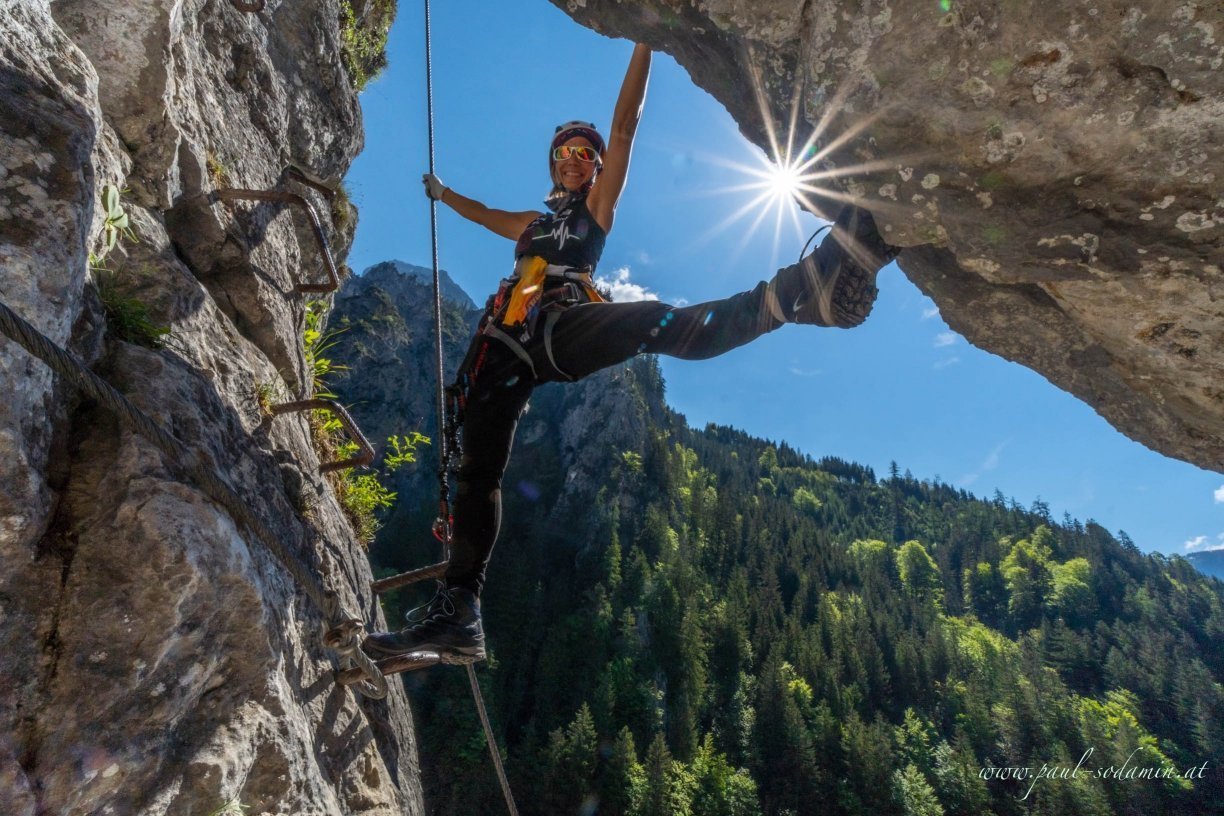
537, 289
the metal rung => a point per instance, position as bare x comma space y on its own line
286, 197
362, 459
302, 177
411, 577
392, 665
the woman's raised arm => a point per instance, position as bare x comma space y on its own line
611, 181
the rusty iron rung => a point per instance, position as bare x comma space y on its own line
411, 577
286, 197
362, 459
302, 177
392, 665
251, 8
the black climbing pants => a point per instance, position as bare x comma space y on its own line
586, 338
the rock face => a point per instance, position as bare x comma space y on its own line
1053, 170
156, 658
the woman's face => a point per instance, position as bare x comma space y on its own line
573, 172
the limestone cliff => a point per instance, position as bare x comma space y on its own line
1053, 170
155, 658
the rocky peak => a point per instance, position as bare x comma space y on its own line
399, 279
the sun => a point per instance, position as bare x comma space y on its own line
796, 175
784, 180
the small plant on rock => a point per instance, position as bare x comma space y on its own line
217, 171
117, 223
360, 495
231, 808
364, 25
128, 318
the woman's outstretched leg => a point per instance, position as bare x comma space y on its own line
834, 287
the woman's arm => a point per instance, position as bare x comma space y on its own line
611, 181
504, 223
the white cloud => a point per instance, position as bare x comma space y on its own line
1202, 545
1219, 495
992, 461
947, 362
929, 312
805, 372
623, 290
643, 257
944, 339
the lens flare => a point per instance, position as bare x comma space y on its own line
786, 176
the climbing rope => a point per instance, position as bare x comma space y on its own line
444, 515
447, 420
484, 721
344, 632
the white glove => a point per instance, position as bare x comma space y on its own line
434, 188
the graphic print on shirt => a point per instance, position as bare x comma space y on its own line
571, 237
561, 231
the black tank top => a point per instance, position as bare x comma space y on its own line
569, 237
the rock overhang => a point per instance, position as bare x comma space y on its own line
1051, 170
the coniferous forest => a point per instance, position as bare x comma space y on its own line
695, 621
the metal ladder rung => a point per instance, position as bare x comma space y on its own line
411, 577
413, 661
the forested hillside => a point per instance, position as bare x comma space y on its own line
690, 621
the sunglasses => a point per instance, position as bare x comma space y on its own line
586, 154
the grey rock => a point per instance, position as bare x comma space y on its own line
157, 658
1053, 171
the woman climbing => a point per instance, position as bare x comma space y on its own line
548, 323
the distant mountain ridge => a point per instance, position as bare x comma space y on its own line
1209, 562
393, 275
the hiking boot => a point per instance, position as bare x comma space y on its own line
451, 627
835, 285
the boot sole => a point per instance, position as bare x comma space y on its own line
854, 295
848, 298
448, 655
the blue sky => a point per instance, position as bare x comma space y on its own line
903, 387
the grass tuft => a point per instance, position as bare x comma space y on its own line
364, 26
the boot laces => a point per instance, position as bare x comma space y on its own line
442, 605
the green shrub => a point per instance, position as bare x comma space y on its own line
364, 25
128, 318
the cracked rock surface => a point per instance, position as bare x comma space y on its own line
157, 659
1054, 171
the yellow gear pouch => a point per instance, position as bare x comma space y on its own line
528, 290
